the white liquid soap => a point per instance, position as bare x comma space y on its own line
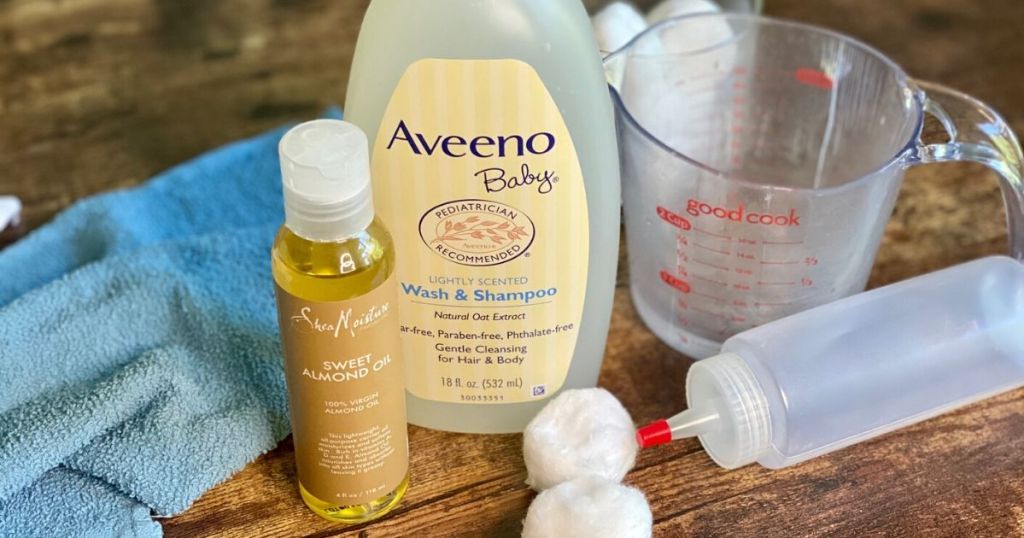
495, 165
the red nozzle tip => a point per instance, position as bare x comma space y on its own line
654, 434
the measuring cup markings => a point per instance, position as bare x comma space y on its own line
711, 281
720, 236
712, 265
732, 273
709, 249
731, 320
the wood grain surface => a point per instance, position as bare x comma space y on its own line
101, 94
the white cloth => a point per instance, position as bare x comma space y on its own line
616, 25
678, 8
619, 22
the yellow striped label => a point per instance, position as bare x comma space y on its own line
477, 177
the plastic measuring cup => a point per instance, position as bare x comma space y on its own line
761, 160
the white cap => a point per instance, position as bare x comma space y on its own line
10, 211
325, 169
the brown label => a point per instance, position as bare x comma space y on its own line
347, 394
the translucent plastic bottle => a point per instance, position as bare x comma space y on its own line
855, 369
333, 266
495, 165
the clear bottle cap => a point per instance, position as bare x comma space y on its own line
728, 411
325, 169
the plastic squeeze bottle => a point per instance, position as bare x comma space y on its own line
495, 165
855, 369
333, 266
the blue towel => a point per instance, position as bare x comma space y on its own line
139, 355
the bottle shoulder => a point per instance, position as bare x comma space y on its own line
554, 37
333, 271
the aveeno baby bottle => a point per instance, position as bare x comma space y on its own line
495, 165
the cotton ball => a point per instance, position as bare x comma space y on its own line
616, 25
589, 507
580, 433
678, 8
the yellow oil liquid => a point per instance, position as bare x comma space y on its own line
337, 271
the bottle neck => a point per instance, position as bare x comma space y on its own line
328, 222
728, 411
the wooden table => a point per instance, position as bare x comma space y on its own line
100, 94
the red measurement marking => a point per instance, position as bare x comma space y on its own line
745, 241
813, 77
746, 256
711, 280
712, 297
712, 234
726, 252
783, 242
676, 283
780, 263
720, 267
708, 313
673, 219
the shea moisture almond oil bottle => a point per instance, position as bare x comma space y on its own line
495, 164
333, 264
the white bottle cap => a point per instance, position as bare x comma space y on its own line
10, 211
325, 169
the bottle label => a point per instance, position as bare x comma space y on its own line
346, 390
478, 177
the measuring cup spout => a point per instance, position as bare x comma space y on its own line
615, 68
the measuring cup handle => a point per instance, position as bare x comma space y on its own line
977, 133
